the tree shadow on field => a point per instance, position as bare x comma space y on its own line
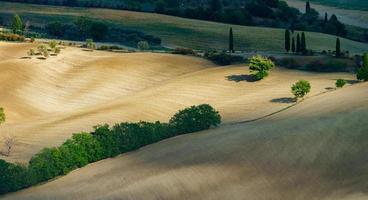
242, 77
284, 100
352, 82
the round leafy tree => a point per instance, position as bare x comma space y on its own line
195, 118
260, 66
340, 83
301, 88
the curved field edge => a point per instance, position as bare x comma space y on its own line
174, 31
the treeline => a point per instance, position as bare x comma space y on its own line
80, 29
103, 142
269, 13
83, 28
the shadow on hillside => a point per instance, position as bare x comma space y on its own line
284, 100
350, 81
242, 77
25, 57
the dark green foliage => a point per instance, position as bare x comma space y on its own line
338, 48
195, 118
231, 41
222, 58
108, 141
287, 40
307, 7
362, 73
293, 48
82, 28
340, 83
303, 45
184, 51
103, 142
298, 43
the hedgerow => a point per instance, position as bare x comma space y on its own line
103, 142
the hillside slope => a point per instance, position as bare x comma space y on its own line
350, 17
315, 150
180, 32
46, 101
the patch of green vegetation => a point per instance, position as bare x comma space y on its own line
103, 142
181, 32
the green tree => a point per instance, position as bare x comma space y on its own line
287, 40
260, 65
231, 41
17, 25
298, 45
300, 89
293, 49
340, 83
363, 71
307, 7
90, 44
195, 118
338, 48
143, 45
303, 45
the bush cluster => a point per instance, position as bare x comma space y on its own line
103, 142
184, 51
223, 58
11, 37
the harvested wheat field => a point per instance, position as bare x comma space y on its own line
313, 150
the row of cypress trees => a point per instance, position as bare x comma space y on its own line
298, 46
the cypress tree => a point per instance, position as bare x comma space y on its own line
307, 7
303, 46
231, 41
326, 17
365, 60
338, 48
17, 24
293, 45
298, 47
287, 40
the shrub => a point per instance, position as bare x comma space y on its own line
184, 51
301, 88
32, 39
11, 37
57, 50
31, 52
52, 44
260, 65
143, 45
90, 44
195, 118
340, 83
222, 58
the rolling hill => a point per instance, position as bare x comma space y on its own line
350, 17
314, 150
46, 101
180, 32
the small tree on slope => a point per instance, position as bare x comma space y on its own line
301, 88
260, 65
